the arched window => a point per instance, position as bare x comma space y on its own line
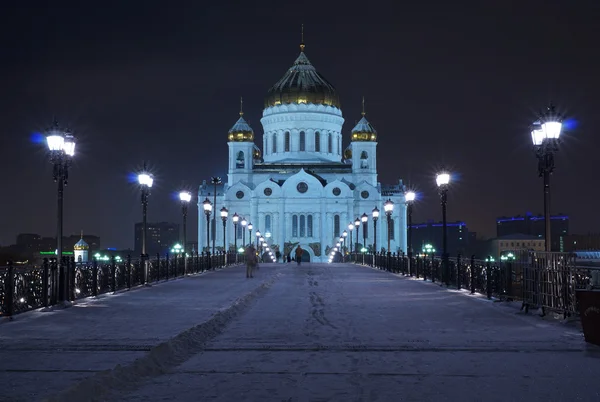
302, 141
274, 144
336, 226
287, 142
317, 142
330, 143
302, 226
364, 163
364, 155
239, 161
240, 231
267, 223
391, 233
309, 226
295, 226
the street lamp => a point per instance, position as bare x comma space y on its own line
235, 218
351, 228
61, 145
388, 207
443, 180
244, 224
224, 213
185, 198
207, 205
250, 235
356, 225
375, 213
215, 181
145, 181
410, 197
545, 134
364, 219
257, 238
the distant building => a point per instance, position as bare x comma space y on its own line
81, 250
160, 237
534, 225
432, 232
588, 242
515, 243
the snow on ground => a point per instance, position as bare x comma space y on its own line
348, 333
311, 333
42, 353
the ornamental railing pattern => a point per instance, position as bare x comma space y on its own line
24, 288
545, 280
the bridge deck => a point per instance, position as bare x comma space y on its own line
315, 332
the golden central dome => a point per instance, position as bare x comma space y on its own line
302, 84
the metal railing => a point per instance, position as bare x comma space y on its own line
545, 280
24, 288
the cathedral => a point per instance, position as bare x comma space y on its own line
303, 189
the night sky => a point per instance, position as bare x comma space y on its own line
452, 84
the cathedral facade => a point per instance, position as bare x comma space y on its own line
303, 188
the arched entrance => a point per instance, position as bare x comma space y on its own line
307, 255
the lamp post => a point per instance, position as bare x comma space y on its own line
61, 145
207, 205
215, 182
410, 197
257, 238
344, 235
185, 198
145, 180
224, 213
375, 213
244, 223
388, 207
250, 233
351, 228
364, 219
356, 225
235, 218
443, 180
545, 134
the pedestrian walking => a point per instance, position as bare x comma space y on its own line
251, 260
299, 252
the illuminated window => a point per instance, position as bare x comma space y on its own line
302, 141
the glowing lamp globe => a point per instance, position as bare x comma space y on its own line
69, 145
364, 218
145, 179
344, 233
207, 206
250, 226
55, 141
375, 213
244, 222
235, 218
442, 179
224, 213
388, 207
185, 196
351, 227
410, 196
